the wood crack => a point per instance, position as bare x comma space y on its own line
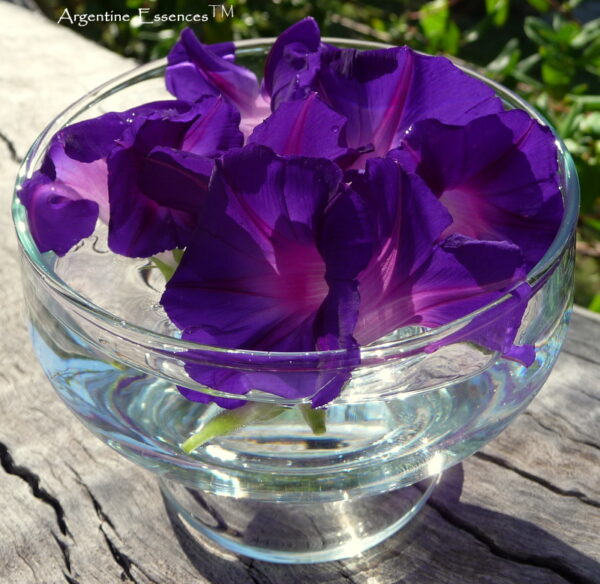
551, 564
11, 148
253, 573
590, 395
122, 559
64, 550
33, 480
580, 356
28, 564
104, 518
538, 480
561, 434
346, 575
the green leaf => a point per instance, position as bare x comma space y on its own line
528, 63
591, 102
595, 303
571, 121
589, 179
507, 59
540, 5
498, 10
591, 222
451, 40
589, 33
433, 19
567, 32
590, 124
167, 266
552, 75
538, 31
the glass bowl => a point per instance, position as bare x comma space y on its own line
273, 489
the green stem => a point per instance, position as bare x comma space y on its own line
167, 269
231, 420
314, 418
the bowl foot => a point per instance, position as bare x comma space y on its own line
297, 532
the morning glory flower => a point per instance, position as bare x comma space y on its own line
151, 204
288, 259
306, 127
293, 63
497, 176
58, 217
253, 277
415, 276
382, 92
66, 196
345, 196
196, 70
263, 271
155, 184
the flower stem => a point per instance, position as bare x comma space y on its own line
167, 268
314, 418
231, 420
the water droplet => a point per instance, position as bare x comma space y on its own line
335, 129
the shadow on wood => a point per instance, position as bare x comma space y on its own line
447, 533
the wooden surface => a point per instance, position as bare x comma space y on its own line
525, 510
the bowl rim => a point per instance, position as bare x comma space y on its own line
569, 188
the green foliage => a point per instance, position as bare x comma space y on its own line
546, 50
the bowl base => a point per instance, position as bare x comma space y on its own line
297, 533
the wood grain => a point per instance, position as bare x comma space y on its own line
524, 510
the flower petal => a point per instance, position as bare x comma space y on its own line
139, 225
460, 276
304, 127
293, 62
196, 70
253, 277
406, 221
497, 175
88, 179
216, 130
383, 92
175, 179
58, 218
346, 236
496, 328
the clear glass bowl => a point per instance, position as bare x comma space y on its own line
273, 490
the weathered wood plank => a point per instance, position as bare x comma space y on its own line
525, 510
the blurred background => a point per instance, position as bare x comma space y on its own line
548, 51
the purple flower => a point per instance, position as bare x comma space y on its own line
263, 270
382, 93
58, 217
496, 175
197, 70
413, 278
66, 196
155, 188
293, 63
286, 259
158, 174
449, 203
253, 277
304, 127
